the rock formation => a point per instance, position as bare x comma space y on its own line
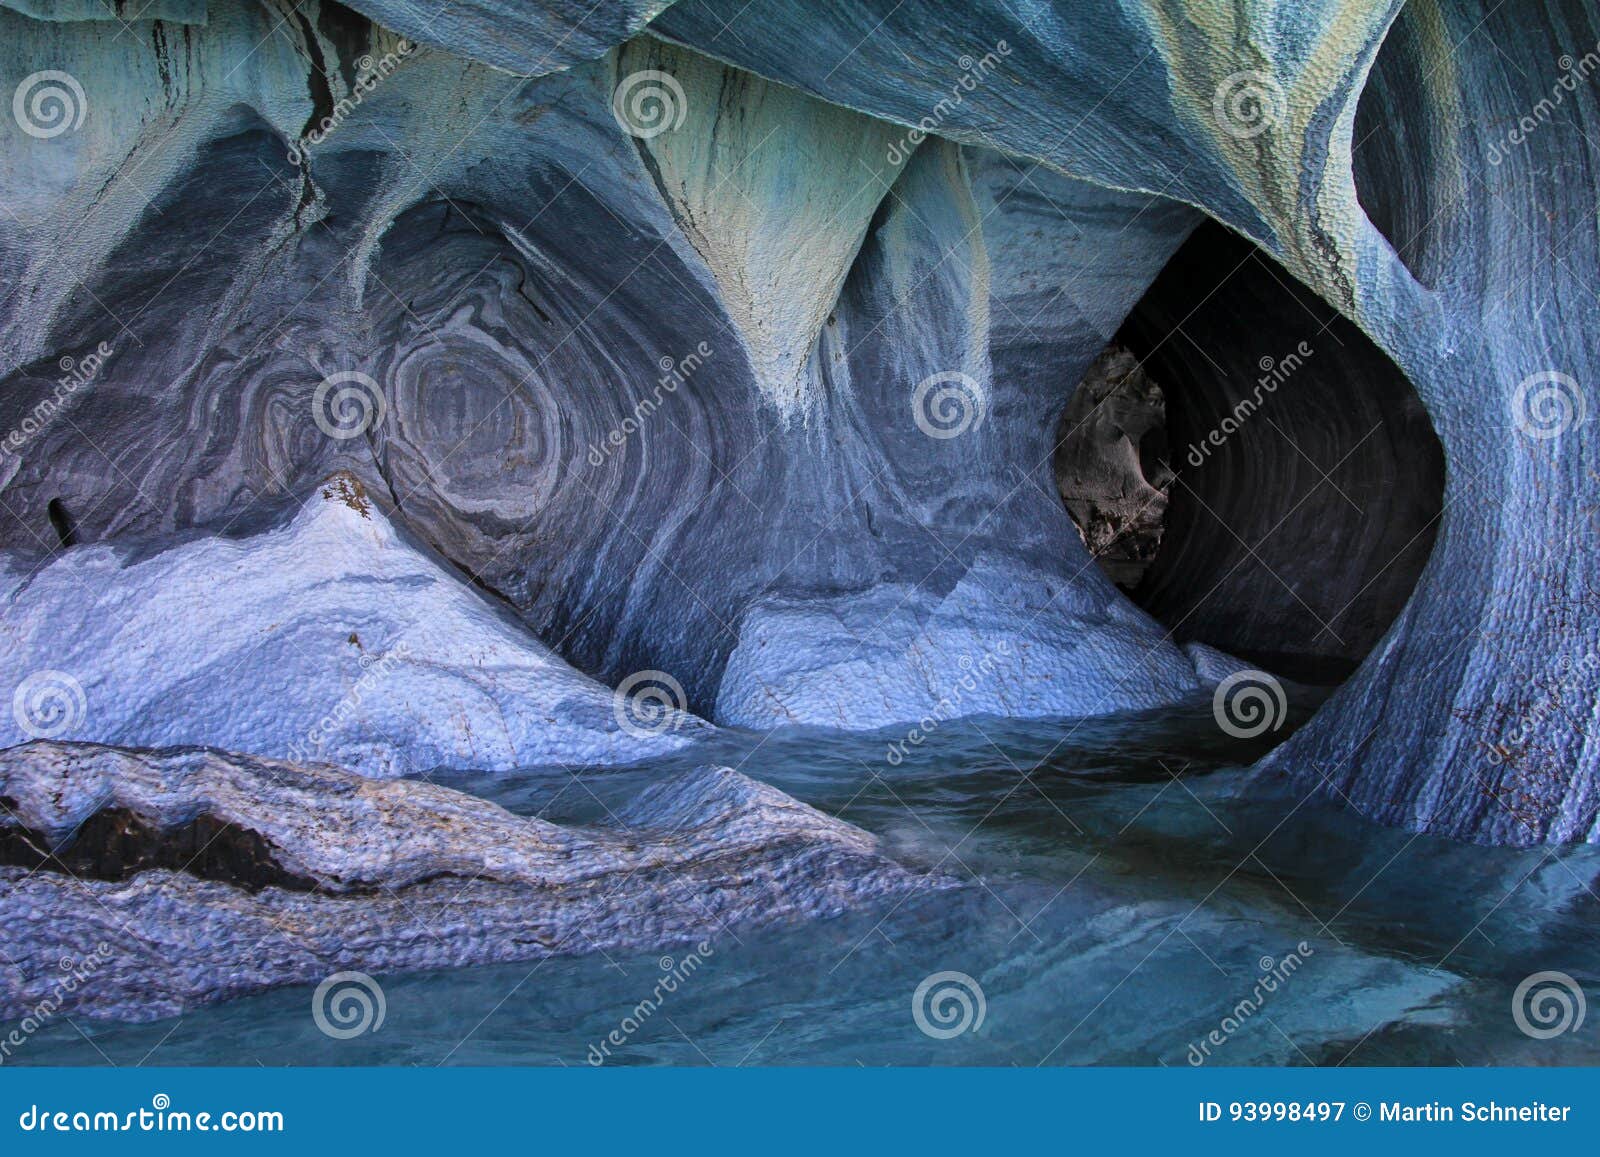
547, 383
209, 875
330, 638
1112, 465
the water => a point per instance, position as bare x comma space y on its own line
1122, 887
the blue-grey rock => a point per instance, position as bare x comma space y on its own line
330, 638
305, 871
609, 388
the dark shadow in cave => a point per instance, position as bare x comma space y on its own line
1305, 477
1400, 154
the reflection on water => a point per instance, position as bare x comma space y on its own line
1129, 896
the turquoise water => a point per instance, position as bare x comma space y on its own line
1121, 887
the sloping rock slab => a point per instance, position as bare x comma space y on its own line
333, 637
216, 874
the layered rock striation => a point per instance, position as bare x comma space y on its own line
728, 342
190, 875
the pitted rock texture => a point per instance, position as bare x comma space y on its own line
1136, 96
1004, 641
387, 875
636, 387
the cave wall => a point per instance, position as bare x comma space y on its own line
674, 396
1496, 632
1249, 114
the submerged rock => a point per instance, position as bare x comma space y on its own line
310, 870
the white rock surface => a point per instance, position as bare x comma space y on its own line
1005, 640
777, 226
330, 638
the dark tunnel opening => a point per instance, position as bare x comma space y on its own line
1257, 474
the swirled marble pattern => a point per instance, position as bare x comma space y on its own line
668, 393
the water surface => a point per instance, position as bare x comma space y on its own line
1122, 885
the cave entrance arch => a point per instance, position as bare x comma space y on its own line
1250, 468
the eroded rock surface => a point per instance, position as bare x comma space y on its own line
516, 271
351, 873
331, 637
1112, 465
